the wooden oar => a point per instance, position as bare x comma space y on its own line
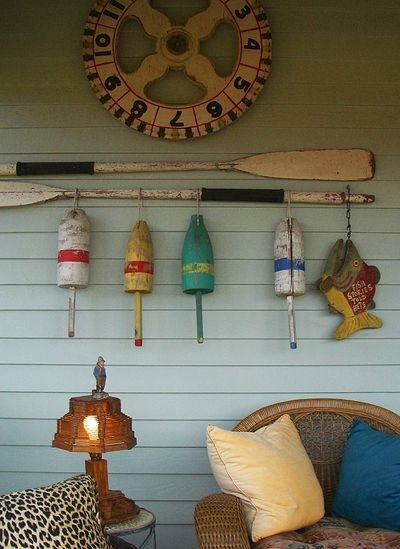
22, 193
324, 164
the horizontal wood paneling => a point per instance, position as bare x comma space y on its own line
203, 379
157, 325
138, 486
171, 216
213, 407
302, 116
335, 82
242, 352
169, 297
94, 141
192, 461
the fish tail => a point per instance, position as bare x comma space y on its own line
355, 323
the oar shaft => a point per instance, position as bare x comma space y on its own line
278, 196
139, 167
21, 193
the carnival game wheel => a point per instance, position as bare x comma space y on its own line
224, 98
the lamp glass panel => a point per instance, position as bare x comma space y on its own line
91, 426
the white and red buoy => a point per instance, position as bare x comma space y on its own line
289, 267
73, 257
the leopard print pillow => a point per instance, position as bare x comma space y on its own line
62, 516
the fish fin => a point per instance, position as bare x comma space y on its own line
372, 304
377, 274
355, 323
326, 284
332, 309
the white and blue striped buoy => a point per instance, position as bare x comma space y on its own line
289, 267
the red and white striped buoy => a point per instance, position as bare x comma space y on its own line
73, 257
289, 267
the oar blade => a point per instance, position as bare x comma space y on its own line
326, 165
15, 193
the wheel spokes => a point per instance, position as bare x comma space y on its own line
202, 24
201, 70
154, 23
152, 67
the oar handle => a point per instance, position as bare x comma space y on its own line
292, 324
243, 195
199, 317
280, 196
68, 168
138, 319
54, 168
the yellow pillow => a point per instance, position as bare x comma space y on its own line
270, 471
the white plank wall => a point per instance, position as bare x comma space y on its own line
335, 82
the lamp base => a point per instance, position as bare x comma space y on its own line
114, 506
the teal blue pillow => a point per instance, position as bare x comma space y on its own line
368, 491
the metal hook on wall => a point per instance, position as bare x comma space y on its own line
140, 204
348, 212
198, 195
288, 207
76, 198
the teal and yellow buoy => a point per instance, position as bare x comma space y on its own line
197, 266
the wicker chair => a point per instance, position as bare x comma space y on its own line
323, 425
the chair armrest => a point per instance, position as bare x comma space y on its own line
219, 522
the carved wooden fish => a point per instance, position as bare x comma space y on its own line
349, 288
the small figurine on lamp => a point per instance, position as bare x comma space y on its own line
100, 374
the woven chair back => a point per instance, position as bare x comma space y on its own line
323, 425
